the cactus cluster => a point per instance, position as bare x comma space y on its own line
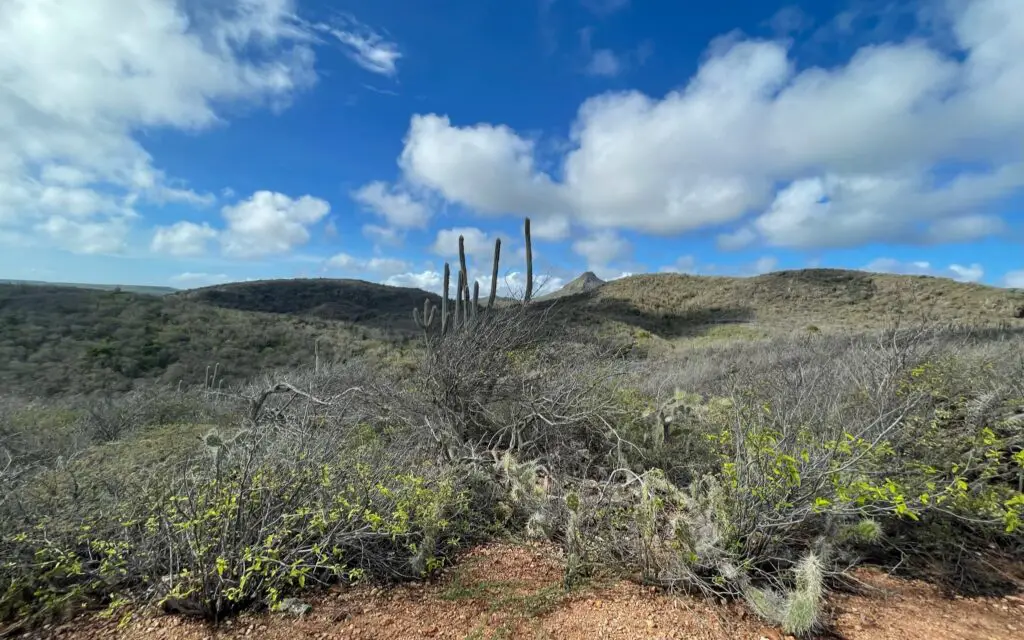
467, 306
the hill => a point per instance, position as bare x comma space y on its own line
356, 301
674, 305
65, 340
582, 284
131, 288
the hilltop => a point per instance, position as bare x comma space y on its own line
666, 304
587, 281
356, 301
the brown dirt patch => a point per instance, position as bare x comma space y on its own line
508, 591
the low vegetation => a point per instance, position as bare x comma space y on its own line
759, 470
60, 341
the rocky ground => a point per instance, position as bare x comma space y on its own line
507, 591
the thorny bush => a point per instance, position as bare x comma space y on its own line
759, 470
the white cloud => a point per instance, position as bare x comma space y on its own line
765, 264
374, 265
477, 243
1014, 279
964, 229
189, 279
183, 239
903, 142
851, 210
601, 249
366, 47
737, 239
426, 280
396, 206
511, 284
269, 223
970, 273
82, 77
383, 235
484, 167
106, 237
552, 228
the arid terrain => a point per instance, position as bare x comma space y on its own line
816, 453
515, 591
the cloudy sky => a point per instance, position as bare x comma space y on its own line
185, 142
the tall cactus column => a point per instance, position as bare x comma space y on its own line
529, 264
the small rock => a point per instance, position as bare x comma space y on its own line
295, 607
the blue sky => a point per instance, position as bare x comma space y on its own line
187, 142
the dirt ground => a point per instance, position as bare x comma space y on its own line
506, 591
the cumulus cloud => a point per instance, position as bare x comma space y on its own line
102, 237
488, 168
737, 239
383, 235
601, 249
269, 223
906, 141
349, 262
427, 280
183, 239
398, 207
969, 273
512, 284
477, 243
73, 97
1014, 279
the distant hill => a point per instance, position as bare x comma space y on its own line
670, 304
586, 282
130, 288
356, 301
66, 340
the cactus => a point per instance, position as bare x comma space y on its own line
465, 273
529, 264
425, 320
494, 274
467, 305
458, 305
444, 299
797, 610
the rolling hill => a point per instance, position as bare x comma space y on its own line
131, 288
64, 340
672, 305
356, 301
